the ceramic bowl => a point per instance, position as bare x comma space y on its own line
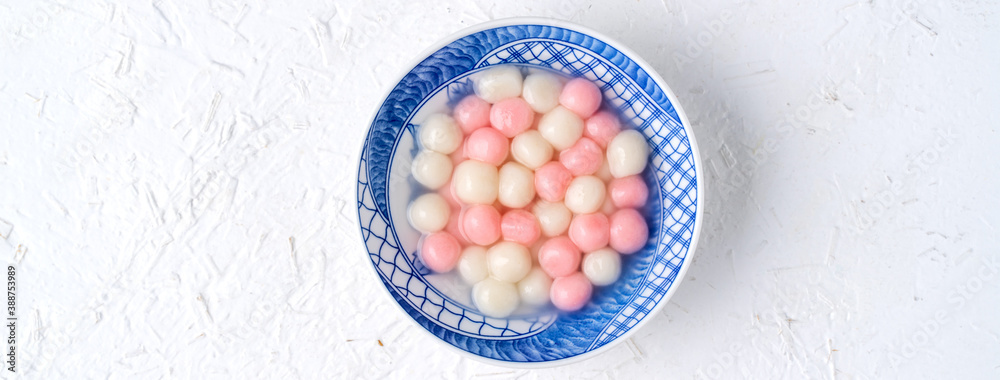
440, 304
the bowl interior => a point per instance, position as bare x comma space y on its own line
440, 303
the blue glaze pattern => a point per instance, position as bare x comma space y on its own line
647, 275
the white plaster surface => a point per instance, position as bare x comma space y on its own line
177, 185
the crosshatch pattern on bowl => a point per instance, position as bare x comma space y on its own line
614, 309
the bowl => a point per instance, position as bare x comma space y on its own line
439, 304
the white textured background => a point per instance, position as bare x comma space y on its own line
177, 185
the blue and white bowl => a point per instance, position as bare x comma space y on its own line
440, 303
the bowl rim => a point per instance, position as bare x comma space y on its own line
688, 130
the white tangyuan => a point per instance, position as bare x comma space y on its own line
498, 83
440, 133
553, 217
472, 264
429, 213
534, 288
517, 185
541, 91
476, 182
531, 149
508, 261
561, 127
495, 298
585, 194
602, 267
627, 153
431, 169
